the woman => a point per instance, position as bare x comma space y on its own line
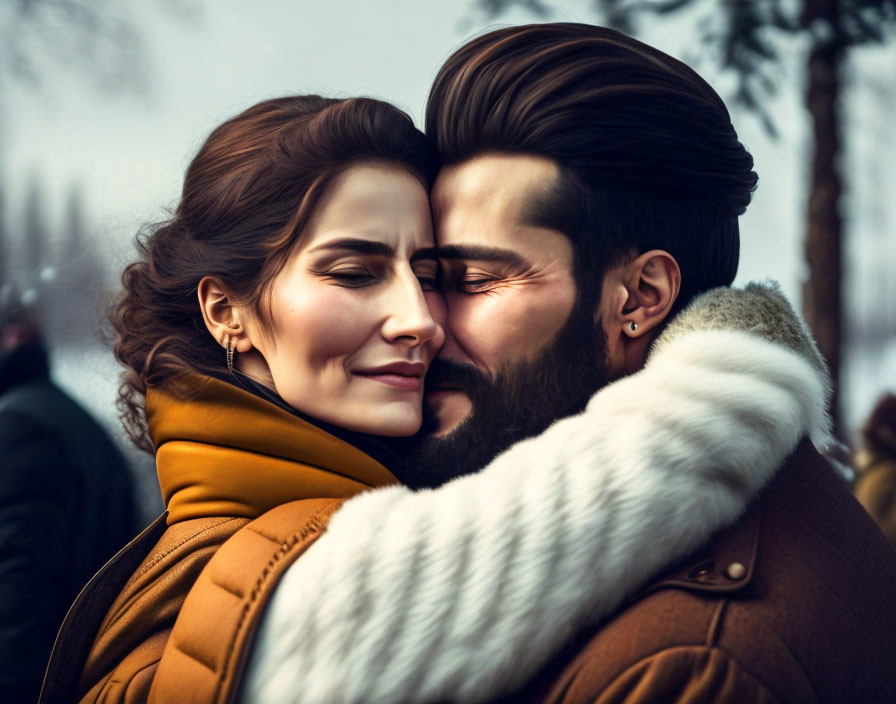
280, 325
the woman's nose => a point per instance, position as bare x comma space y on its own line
410, 319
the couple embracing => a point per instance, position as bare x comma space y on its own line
474, 416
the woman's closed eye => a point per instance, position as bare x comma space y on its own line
352, 277
359, 276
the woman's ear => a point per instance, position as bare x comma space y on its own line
222, 317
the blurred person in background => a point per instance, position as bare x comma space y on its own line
875, 462
66, 504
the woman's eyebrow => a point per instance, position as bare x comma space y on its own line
357, 245
375, 248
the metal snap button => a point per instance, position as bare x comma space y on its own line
736, 571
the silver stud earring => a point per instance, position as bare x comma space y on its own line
633, 326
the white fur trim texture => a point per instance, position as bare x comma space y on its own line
461, 593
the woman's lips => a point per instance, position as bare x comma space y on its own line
399, 381
407, 376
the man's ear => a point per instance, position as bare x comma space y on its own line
224, 319
636, 299
652, 281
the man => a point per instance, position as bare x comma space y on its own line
625, 151
601, 160
66, 505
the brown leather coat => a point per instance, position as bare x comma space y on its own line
793, 604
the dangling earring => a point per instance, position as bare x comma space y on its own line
633, 326
230, 352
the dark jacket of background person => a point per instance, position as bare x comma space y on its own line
875, 486
66, 506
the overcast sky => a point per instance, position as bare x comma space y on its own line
129, 152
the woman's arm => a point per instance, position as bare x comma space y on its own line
464, 592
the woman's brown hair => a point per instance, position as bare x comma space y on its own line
246, 198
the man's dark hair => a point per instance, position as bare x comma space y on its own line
648, 155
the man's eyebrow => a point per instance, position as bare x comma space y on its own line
357, 245
481, 254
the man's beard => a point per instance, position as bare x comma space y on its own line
521, 401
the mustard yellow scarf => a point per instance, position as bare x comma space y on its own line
223, 451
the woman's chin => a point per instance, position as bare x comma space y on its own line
388, 422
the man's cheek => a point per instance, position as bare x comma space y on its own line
492, 329
450, 408
516, 335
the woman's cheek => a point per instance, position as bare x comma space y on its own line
327, 322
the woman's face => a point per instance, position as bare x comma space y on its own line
356, 317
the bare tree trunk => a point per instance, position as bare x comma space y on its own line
822, 291
5, 251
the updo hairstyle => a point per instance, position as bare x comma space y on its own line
246, 198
